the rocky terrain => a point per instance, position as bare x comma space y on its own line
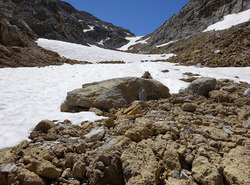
226, 48
199, 136
23, 21
195, 17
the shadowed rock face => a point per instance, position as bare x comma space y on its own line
115, 93
58, 20
195, 17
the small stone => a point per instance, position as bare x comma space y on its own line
189, 158
183, 175
95, 134
79, 169
165, 71
59, 150
199, 65
44, 126
107, 145
147, 75
143, 95
128, 172
247, 92
217, 51
220, 96
7, 168
80, 148
109, 123
72, 140
246, 123
190, 107
230, 88
176, 174
98, 112
66, 173
48, 170
214, 144
228, 131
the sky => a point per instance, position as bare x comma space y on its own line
141, 17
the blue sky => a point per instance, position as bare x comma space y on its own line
141, 17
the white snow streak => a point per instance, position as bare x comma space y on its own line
165, 44
133, 41
91, 28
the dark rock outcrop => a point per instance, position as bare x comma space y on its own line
59, 20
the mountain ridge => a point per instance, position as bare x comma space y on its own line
193, 18
58, 20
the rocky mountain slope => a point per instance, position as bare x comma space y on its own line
195, 17
59, 20
23, 21
226, 48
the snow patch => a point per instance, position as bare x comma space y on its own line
229, 21
95, 54
103, 40
133, 41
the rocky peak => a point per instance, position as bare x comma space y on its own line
59, 20
195, 17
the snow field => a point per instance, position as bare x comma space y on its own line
29, 95
93, 53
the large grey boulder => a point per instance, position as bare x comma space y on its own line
113, 93
202, 86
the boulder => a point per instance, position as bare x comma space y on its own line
24, 176
206, 173
230, 88
220, 96
115, 93
48, 170
4, 171
95, 134
135, 168
105, 169
202, 86
190, 107
236, 166
45, 130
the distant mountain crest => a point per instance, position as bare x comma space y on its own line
195, 17
53, 19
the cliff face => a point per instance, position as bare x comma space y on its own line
195, 17
58, 20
